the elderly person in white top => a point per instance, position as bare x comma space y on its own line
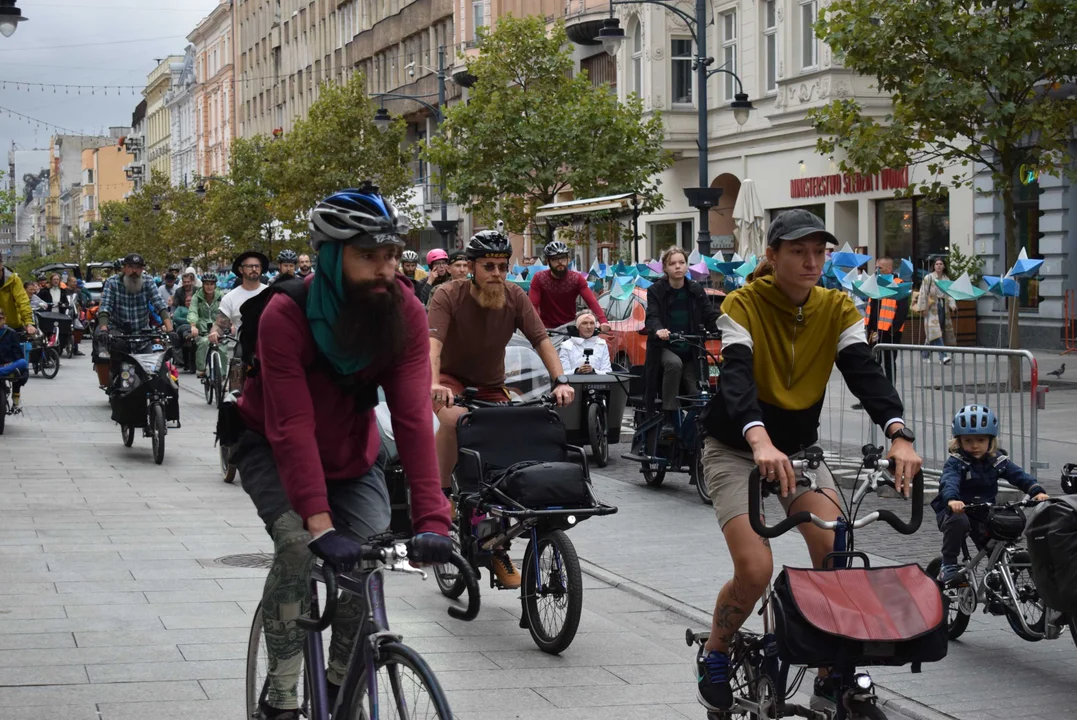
573, 358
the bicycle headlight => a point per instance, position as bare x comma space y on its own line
863, 681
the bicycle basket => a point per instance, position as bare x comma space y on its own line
1006, 524
858, 616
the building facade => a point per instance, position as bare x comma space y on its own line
104, 179
158, 117
65, 175
180, 101
135, 143
215, 90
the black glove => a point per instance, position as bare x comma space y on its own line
174, 339
430, 547
337, 549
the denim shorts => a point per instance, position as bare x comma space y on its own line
360, 506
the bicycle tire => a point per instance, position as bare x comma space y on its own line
596, 431
653, 478
1036, 617
127, 432
865, 710
157, 432
3, 406
50, 363
256, 669
393, 694
696, 473
570, 588
448, 577
956, 621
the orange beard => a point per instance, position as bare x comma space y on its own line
492, 296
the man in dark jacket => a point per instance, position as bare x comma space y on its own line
675, 304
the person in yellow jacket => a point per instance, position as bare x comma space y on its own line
14, 301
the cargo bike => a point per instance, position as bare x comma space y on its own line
517, 476
840, 618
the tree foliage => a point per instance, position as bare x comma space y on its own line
7, 203
974, 85
531, 130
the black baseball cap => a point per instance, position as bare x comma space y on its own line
457, 255
797, 224
134, 259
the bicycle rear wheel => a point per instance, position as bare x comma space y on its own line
407, 688
1028, 601
258, 668
50, 363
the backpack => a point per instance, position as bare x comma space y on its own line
1051, 534
364, 392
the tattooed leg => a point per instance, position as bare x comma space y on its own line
752, 567
285, 598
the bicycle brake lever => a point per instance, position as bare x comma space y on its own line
404, 567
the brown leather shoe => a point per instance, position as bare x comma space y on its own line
504, 571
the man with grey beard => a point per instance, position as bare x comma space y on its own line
126, 302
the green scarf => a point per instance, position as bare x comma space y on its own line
324, 300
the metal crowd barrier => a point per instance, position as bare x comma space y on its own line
932, 393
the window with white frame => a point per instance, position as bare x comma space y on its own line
729, 53
478, 17
681, 61
809, 46
637, 59
770, 46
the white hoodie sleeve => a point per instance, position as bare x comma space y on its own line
601, 360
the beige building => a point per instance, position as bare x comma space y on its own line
159, 118
103, 180
214, 94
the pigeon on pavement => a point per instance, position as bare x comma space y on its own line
1058, 373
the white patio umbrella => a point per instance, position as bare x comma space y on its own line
748, 217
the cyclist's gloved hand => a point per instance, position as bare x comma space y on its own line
430, 547
337, 549
174, 339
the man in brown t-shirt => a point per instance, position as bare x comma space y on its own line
471, 322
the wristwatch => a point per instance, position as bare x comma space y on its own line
560, 380
904, 433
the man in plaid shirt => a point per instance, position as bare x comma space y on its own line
126, 302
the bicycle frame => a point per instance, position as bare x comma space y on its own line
999, 555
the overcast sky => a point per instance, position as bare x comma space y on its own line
85, 42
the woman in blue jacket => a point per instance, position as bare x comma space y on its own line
971, 474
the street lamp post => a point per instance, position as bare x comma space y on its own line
445, 227
703, 197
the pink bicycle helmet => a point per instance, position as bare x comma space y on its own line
436, 254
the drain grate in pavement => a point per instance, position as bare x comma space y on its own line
248, 560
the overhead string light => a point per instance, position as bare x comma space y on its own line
32, 120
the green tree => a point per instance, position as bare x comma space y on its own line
531, 130
238, 209
974, 85
337, 145
7, 203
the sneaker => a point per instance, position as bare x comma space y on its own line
504, 571
948, 573
265, 712
712, 675
201, 374
946, 360
78, 352
825, 693
15, 400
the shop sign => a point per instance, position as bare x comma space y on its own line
722, 242
850, 184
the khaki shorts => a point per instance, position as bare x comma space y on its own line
726, 471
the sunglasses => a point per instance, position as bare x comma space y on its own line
490, 267
255, 266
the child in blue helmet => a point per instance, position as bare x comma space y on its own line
971, 474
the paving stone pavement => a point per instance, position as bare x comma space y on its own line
112, 606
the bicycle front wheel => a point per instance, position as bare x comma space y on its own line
258, 671
50, 363
553, 591
407, 689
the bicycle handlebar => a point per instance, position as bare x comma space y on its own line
468, 401
388, 555
756, 487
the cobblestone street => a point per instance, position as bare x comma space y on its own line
112, 606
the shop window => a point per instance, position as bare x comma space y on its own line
663, 235
916, 228
1026, 208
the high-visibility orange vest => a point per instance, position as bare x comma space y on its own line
887, 311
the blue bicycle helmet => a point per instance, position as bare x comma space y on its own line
975, 420
209, 277
359, 216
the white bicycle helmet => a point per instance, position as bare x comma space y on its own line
409, 256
